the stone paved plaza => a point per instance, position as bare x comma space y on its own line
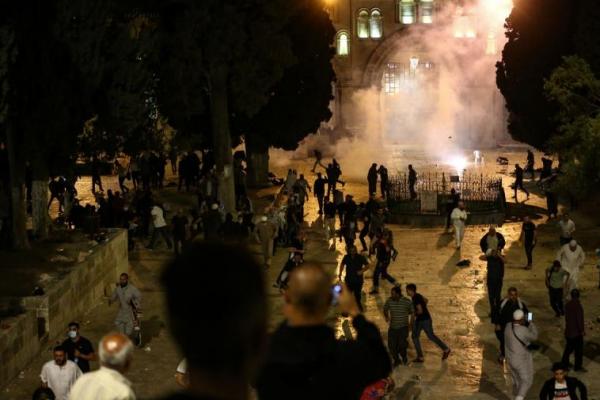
457, 299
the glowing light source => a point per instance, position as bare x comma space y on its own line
414, 63
459, 163
343, 44
407, 11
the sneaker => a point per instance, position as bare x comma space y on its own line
446, 354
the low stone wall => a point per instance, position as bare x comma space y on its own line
67, 298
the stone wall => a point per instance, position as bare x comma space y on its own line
66, 299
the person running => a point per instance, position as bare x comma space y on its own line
384, 252
396, 311
529, 239
423, 322
330, 210
519, 182
318, 158
355, 265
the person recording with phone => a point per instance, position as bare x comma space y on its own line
305, 360
518, 337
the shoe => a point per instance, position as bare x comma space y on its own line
446, 354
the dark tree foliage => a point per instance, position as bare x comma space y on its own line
540, 33
299, 103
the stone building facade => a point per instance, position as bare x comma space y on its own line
405, 63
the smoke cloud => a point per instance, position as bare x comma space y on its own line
433, 99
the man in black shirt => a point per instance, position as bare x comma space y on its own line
304, 359
503, 315
529, 238
319, 191
79, 349
423, 323
330, 209
494, 278
562, 386
519, 182
412, 181
356, 265
224, 355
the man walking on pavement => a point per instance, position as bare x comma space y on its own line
494, 279
60, 374
129, 298
574, 331
318, 158
160, 227
396, 312
423, 322
319, 191
459, 219
504, 315
266, 232
356, 265
330, 209
518, 335
529, 239
519, 182
567, 228
572, 257
372, 179
78, 349
556, 280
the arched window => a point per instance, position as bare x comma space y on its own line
376, 24
407, 9
343, 43
362, 24
426, 11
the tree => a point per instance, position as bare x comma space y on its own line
234, 53
299, 103
575, 90
540, 33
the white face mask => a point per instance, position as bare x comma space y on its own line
72, 334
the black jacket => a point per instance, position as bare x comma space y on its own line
573, 384
503, 314
483, 242
309, 363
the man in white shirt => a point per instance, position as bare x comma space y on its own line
160, 227
60, 374
459, 218
108, 383
572, 257
567, 228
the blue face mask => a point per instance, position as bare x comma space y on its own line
72, 334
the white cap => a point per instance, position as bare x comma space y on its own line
214, 206
264, 218
518, 315
573, 243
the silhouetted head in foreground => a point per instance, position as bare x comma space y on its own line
216, 301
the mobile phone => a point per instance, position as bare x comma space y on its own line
335, 293
529, 317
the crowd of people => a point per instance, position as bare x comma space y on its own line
302, 356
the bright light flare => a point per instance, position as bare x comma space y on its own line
459, 163
497, 10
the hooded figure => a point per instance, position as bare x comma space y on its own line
518, 335
572, 257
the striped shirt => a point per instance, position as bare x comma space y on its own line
398, 310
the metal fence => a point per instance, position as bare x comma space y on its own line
480, 193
